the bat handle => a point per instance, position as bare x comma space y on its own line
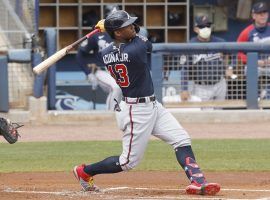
92, 33
70, 47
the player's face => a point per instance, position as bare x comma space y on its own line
126, 33
260, 19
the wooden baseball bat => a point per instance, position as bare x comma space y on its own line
60, 54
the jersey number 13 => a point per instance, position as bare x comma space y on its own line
120, 75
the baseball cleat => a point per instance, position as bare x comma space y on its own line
86, 181
204, 189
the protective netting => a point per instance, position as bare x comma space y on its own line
212, 77
20, 84
18, 22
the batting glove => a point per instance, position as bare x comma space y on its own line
100, 25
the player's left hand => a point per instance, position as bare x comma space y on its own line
100, 25
93, 80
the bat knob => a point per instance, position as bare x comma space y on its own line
37, 71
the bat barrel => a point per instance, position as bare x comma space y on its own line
60, 54
50, 61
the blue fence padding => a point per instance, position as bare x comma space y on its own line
36, 21
4, 99
226, 47
19, 55
39, 79
50, 38
156, 66
69, 63
252, 81
72, 79
70, 76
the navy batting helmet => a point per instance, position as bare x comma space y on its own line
118, 19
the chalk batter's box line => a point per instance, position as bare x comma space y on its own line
72, 193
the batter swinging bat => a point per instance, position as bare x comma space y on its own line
60, 54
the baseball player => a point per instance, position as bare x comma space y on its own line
95, 70
207, 71
139, 114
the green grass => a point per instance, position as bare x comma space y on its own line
212, 155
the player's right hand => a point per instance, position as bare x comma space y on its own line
93, 80
100, 25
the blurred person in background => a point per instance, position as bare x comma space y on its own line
206, 71
258, 31
90, 62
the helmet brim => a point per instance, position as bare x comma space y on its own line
131, 20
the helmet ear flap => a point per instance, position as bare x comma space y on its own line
136, 27
111, 33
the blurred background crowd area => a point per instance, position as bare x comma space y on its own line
23, 25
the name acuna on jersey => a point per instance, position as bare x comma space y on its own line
113, 58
